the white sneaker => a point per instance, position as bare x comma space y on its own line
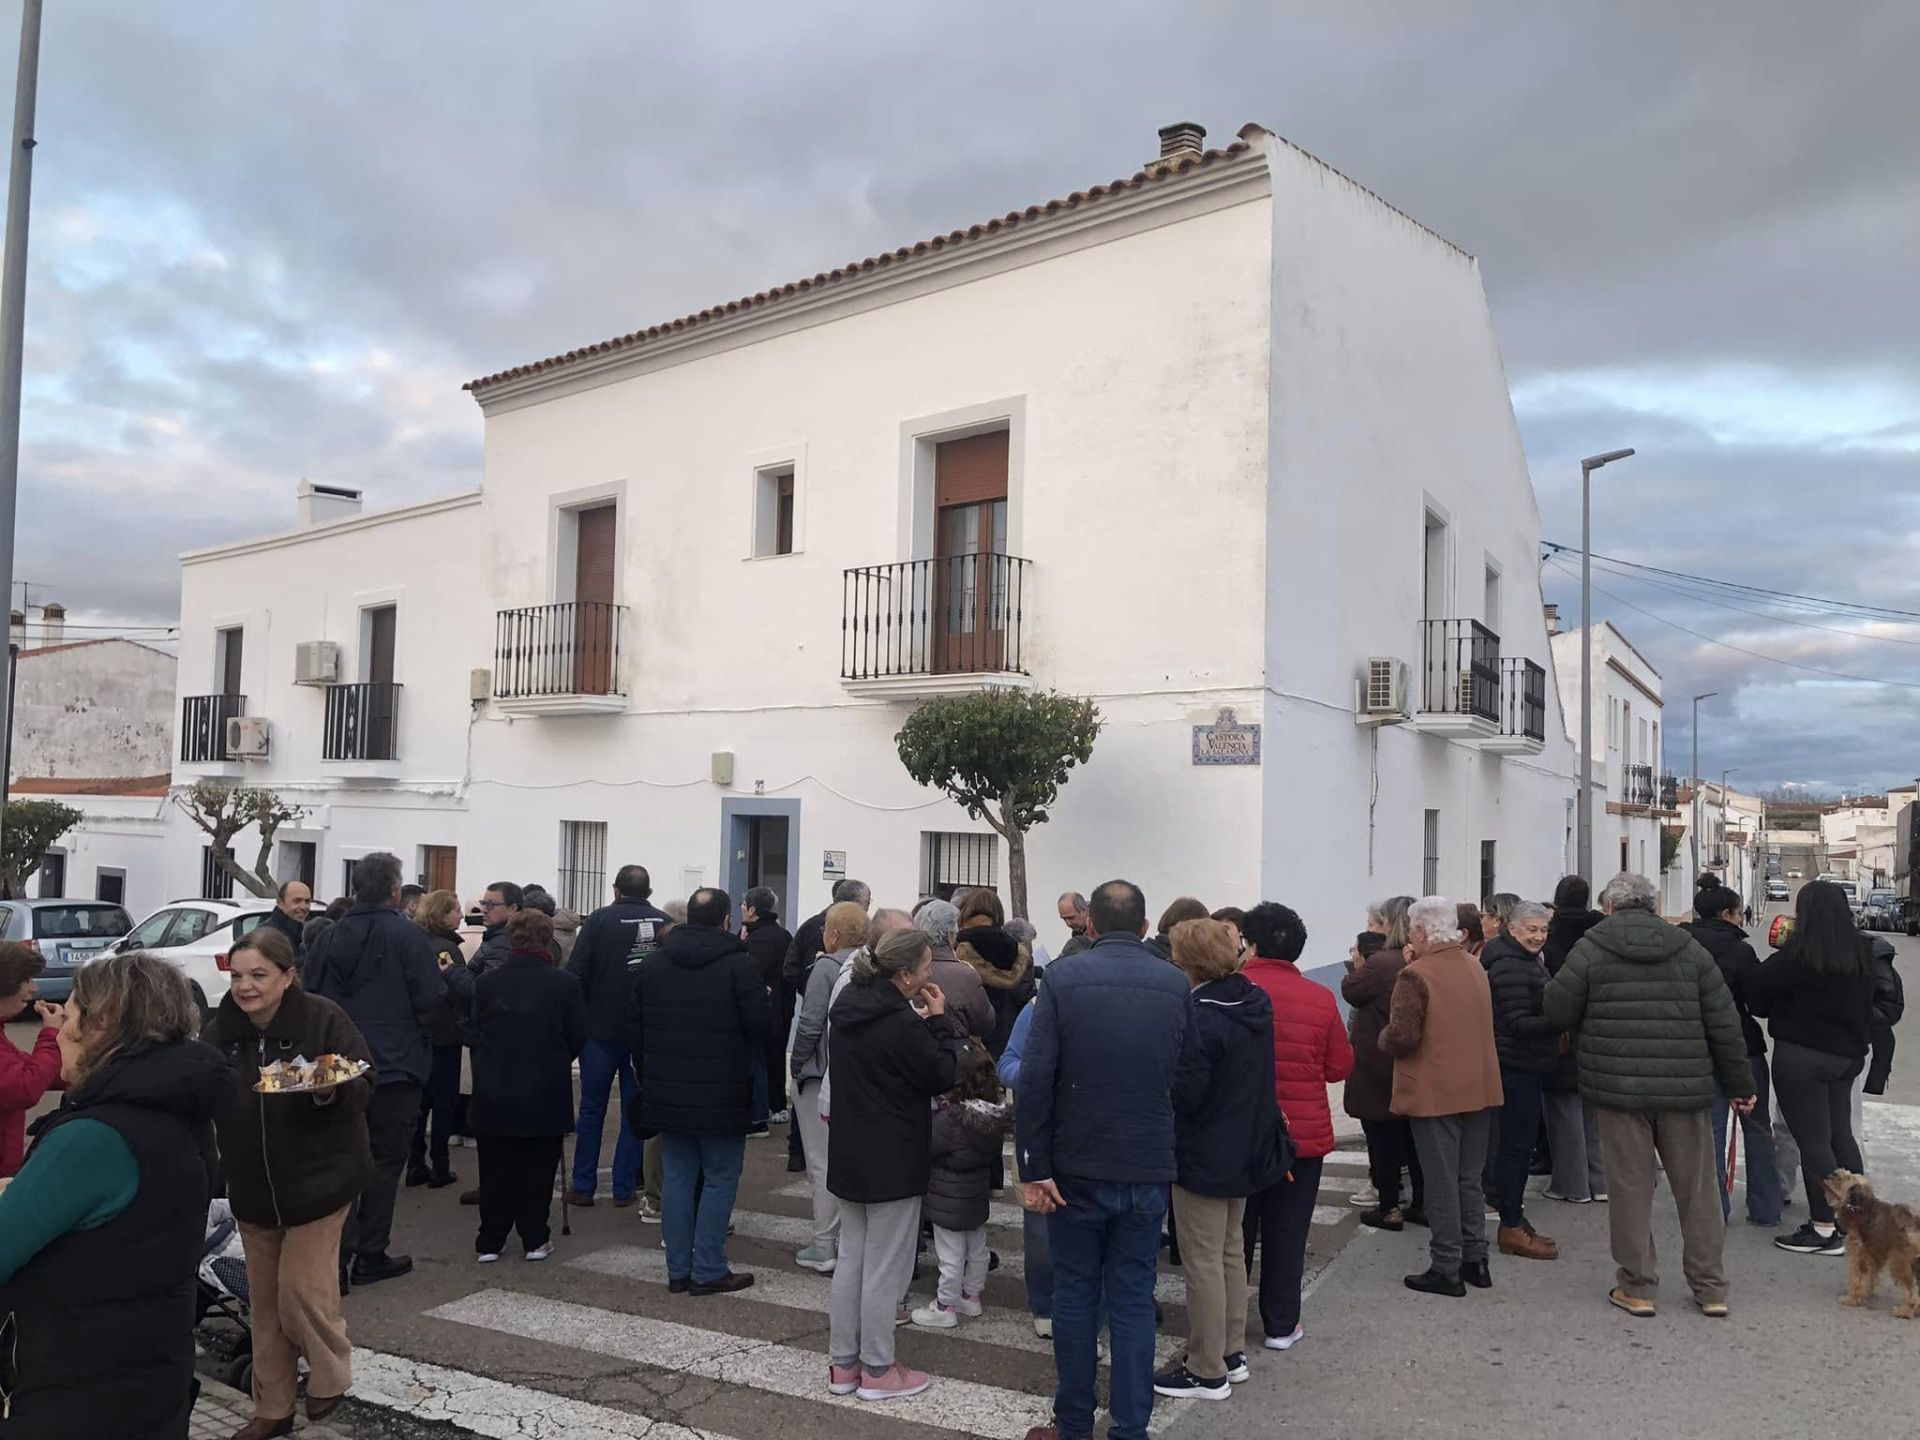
936, 1317
1043, 1326
969, 1306
1366, 1197
542, 1253
490, 1258
816, 1259
1285, 1342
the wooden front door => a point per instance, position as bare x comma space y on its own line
439, 867
969, 581
379, 705
593, 612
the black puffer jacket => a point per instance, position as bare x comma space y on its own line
1005, 968
886, 1065
1228, 1135
1889, 1004
1525, 1039
1728, 945
699, 1019
1563, 933
446, 1022
967, 1134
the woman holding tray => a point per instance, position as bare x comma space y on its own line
294, 1160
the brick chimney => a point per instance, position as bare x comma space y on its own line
53, 628
323, 504
17, 629
1182, 140
1553, 619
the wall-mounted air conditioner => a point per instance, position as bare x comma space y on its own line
248, 737
1381, 692
316, 662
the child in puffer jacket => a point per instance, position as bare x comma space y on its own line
970, 1122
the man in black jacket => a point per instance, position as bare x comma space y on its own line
802, 951
767, 941
698, 1021
499, 905
289, 913
613, 941
1717, 928
380, 968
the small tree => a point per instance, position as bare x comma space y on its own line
27, 828
223, 811
1669, 848
1003, 756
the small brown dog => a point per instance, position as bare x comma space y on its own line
1879, 1237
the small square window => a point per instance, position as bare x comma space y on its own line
774, 501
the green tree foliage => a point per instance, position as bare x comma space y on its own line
1002, 755
27, 829
1669, 848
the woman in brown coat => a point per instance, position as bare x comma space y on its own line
1368, 988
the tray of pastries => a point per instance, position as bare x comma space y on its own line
301, 1076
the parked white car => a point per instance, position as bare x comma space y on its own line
196, 935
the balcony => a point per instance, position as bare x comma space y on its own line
1459, 680
561, 659
1523, 708
203, 729
362, 732
1637, 790
946, 626
1670, 794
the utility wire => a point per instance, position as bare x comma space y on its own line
1741, 649
1707, 599
1831, 606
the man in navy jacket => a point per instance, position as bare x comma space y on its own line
1095, 1143
613, 940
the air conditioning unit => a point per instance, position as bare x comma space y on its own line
316, 662
248, 737
1382, 697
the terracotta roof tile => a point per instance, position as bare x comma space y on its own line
906, 253
139, 786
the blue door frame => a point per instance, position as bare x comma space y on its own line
735, 833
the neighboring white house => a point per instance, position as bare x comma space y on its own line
1634, 796
1861, 839
1215, 445
91, 726
1733, 839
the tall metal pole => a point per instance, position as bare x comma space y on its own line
1584, 804
1693, 779
13, 299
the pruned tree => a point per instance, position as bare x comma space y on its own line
1002, 755
223, 811
27, 829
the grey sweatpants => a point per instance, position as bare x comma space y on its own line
877, 1244
1452, 1151
1579, 1171
813, 1141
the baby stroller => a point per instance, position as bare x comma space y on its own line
220, 1290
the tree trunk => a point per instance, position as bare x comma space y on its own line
245, 878
1017, 873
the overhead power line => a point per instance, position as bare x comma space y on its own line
1707, 598
1830, 606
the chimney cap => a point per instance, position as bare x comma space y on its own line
54, 611
1181, 138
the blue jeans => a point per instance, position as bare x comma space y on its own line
600, 1062
1765, 1193
695, 1228
1107, 1238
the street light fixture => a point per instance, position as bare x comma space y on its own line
1693, 826
1585, 811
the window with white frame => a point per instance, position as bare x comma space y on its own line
583, 864
774, 502
955, 860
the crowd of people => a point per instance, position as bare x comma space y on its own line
1482, 1045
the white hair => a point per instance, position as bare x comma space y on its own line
1527, 910
940, 920
1377, 913
1439, 917
1627, 891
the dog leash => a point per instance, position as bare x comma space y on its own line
1733, 1144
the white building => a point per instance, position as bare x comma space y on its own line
1633, 795
91, 728
1733, 839
1208, 439
1861, 839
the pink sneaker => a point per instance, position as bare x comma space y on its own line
843, 1379
896, 1383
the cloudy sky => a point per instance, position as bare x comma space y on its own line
272, 240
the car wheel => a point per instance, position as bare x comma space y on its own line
238, 1372
200, 1001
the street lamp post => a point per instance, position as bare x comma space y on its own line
1693, 821
1585, 806
1726, 849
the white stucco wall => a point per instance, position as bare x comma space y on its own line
99, 709
124, 833
1627, 688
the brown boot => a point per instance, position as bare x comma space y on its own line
1527, 1243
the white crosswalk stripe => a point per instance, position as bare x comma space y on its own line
999, 1212
802, 1290
965, 1405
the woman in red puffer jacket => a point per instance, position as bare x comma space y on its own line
1310, 1052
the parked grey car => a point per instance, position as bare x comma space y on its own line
67, 933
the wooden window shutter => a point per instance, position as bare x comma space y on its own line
970, 471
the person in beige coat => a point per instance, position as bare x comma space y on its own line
1446, 1081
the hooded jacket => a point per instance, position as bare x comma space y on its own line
613, 942
1005, 968
566, 933
967, 1136
1310, 1050
1728, 945
1826, 1012
294, 930
380, 968
1368, 989
1656, 1021
99, 1321
1889, 1004
698, 1019
290, 1159
1517, 980
1229, 1137
886, 1065
529, 1024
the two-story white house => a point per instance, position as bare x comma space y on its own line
1228, 435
